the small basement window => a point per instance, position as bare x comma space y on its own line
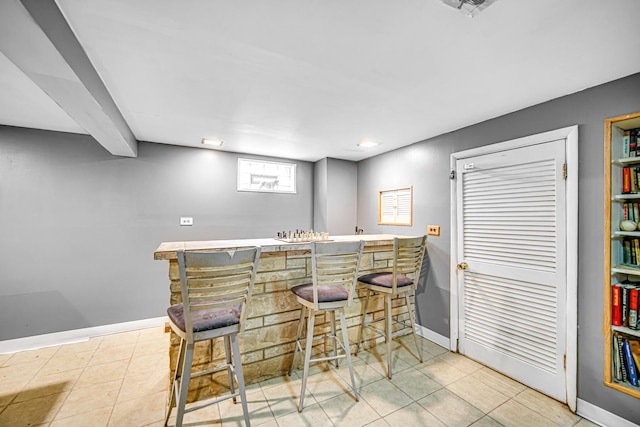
263, 176
395, 207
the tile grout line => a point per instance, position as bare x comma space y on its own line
72, 387
499, 406
12, 401
74, 384
89, 364
123, 379
445, 387
541, 413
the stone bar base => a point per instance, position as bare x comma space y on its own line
268, 340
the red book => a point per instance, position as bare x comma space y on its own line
616, 312
626, 180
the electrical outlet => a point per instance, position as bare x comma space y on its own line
186, 220
433, 230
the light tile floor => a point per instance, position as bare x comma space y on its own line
121, 380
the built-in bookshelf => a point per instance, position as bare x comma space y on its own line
621, 326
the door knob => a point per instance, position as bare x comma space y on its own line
463, 266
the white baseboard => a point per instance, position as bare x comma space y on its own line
433, 336
597, 415
76, 335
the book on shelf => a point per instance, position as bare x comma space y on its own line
625, 144
626, 179
616, 314
636, 211
624, 305
635, 250
633, 308
630, 213
635, 350
632, 145
625, 301
633, 141
621, 359
631, 179
632, 372
615, 356
626, 251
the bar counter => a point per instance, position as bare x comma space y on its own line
270, 330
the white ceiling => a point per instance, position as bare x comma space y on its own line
310, 79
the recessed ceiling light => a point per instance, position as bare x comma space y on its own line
365, 143
212, 142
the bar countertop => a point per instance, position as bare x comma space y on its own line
168, 250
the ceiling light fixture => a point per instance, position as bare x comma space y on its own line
365, 143
212, 142
471, 2
469, 7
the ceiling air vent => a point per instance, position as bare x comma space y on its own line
470, 7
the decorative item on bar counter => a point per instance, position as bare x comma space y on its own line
301, 236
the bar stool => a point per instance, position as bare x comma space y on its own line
408, 253
216, 288
334, 270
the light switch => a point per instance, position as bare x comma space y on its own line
433, 230
186, 220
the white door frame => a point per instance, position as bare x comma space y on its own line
571, 135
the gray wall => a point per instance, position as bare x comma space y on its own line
343, 195
335, 196
320, 180
425, 165
79, 226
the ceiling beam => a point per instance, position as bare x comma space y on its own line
36, 37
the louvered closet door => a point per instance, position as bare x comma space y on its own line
511, 228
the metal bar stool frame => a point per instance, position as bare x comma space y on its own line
334, 270
216, 288
408, 255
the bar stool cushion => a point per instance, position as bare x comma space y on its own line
205, 320
325, 293
385, 279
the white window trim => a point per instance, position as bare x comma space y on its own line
247, 180
395, 201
